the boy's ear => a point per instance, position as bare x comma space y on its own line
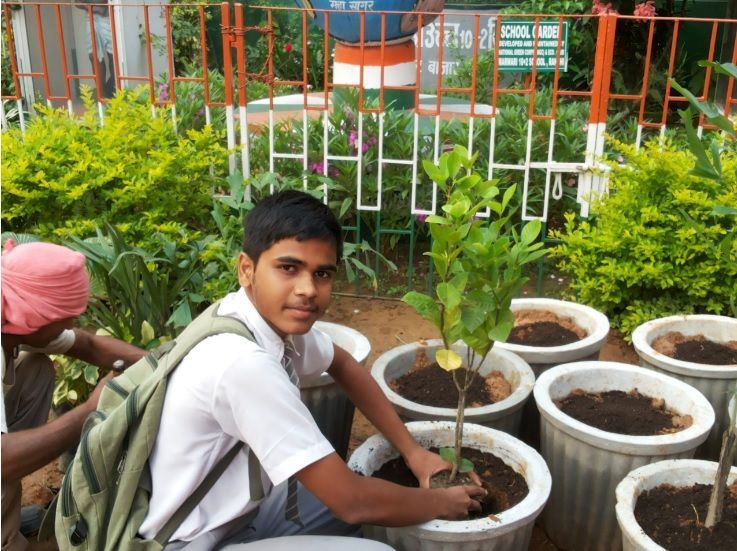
246, 267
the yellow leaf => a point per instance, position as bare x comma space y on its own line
448, 360
147, 332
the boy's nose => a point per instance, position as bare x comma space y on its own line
305, 286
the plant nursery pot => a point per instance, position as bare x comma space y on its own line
587, 463
716, 382
512, 529
327, 402
504, 415
730, 409
678, 473
541, 358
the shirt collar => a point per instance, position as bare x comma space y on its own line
239, 304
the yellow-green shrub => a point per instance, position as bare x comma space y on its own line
653, 247
68, 175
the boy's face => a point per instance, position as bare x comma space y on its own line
291, 284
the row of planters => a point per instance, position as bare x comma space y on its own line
606, 429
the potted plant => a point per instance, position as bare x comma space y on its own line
479, 264
658, 342
599, 421
549, 332
670, 501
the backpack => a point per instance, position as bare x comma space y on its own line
106, 490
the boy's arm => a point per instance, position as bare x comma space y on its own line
356, 499
369, 398
103, 351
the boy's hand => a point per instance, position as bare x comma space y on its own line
424, 464
461, 500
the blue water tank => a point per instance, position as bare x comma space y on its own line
345, 24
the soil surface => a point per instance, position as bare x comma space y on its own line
386, 324
674, 518
505, 487
696, 349
623, 412
434, 386
544, 328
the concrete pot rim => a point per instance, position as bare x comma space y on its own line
536, 475
477, 414
644, 334
546, 354
630, 488
360, 352
702, 413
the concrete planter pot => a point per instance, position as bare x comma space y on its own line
513, 529
504, 415
682, 472
327, 402
542, 358
716, 382
587, 463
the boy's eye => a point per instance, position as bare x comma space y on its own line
288, 268
323, 274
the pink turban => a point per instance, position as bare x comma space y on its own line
41, 284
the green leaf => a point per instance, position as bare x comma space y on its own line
466, 466
423, 305
530, 231
448, 454
147, 332
345, 206
448, 359
449, 295
729, 69
91, 374
473, 318
438, 220
721, 210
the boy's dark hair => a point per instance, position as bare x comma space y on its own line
289, 214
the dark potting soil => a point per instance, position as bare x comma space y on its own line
505, 487
674, 518
622, 412
433, 386
704, 351
542, 333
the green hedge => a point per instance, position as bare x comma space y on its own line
653, 247
68, 175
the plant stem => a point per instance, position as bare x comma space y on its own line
459, 431
716, 500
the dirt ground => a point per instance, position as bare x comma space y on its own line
386, 323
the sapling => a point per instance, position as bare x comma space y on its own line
478, 256
729, 448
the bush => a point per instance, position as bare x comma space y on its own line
67, 176
653, 247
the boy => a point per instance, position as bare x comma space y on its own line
229, 389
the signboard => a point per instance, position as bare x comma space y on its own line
517, 46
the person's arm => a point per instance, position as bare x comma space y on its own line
103, 351
26, 451
357, 499
369, 398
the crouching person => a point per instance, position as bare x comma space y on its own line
229, 390
44, 287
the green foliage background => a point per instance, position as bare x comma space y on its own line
654, 248
66, 176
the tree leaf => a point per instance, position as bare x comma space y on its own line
466, 466
423, 305
448, 359
448, 454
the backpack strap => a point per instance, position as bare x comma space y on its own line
254, 480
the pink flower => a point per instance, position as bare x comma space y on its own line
571, 181
352, 137
163, 92
646, 9
421, 218
365, 147
316, 168
288, 47
602, 9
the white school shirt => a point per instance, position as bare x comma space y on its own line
230, 389
59, 345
